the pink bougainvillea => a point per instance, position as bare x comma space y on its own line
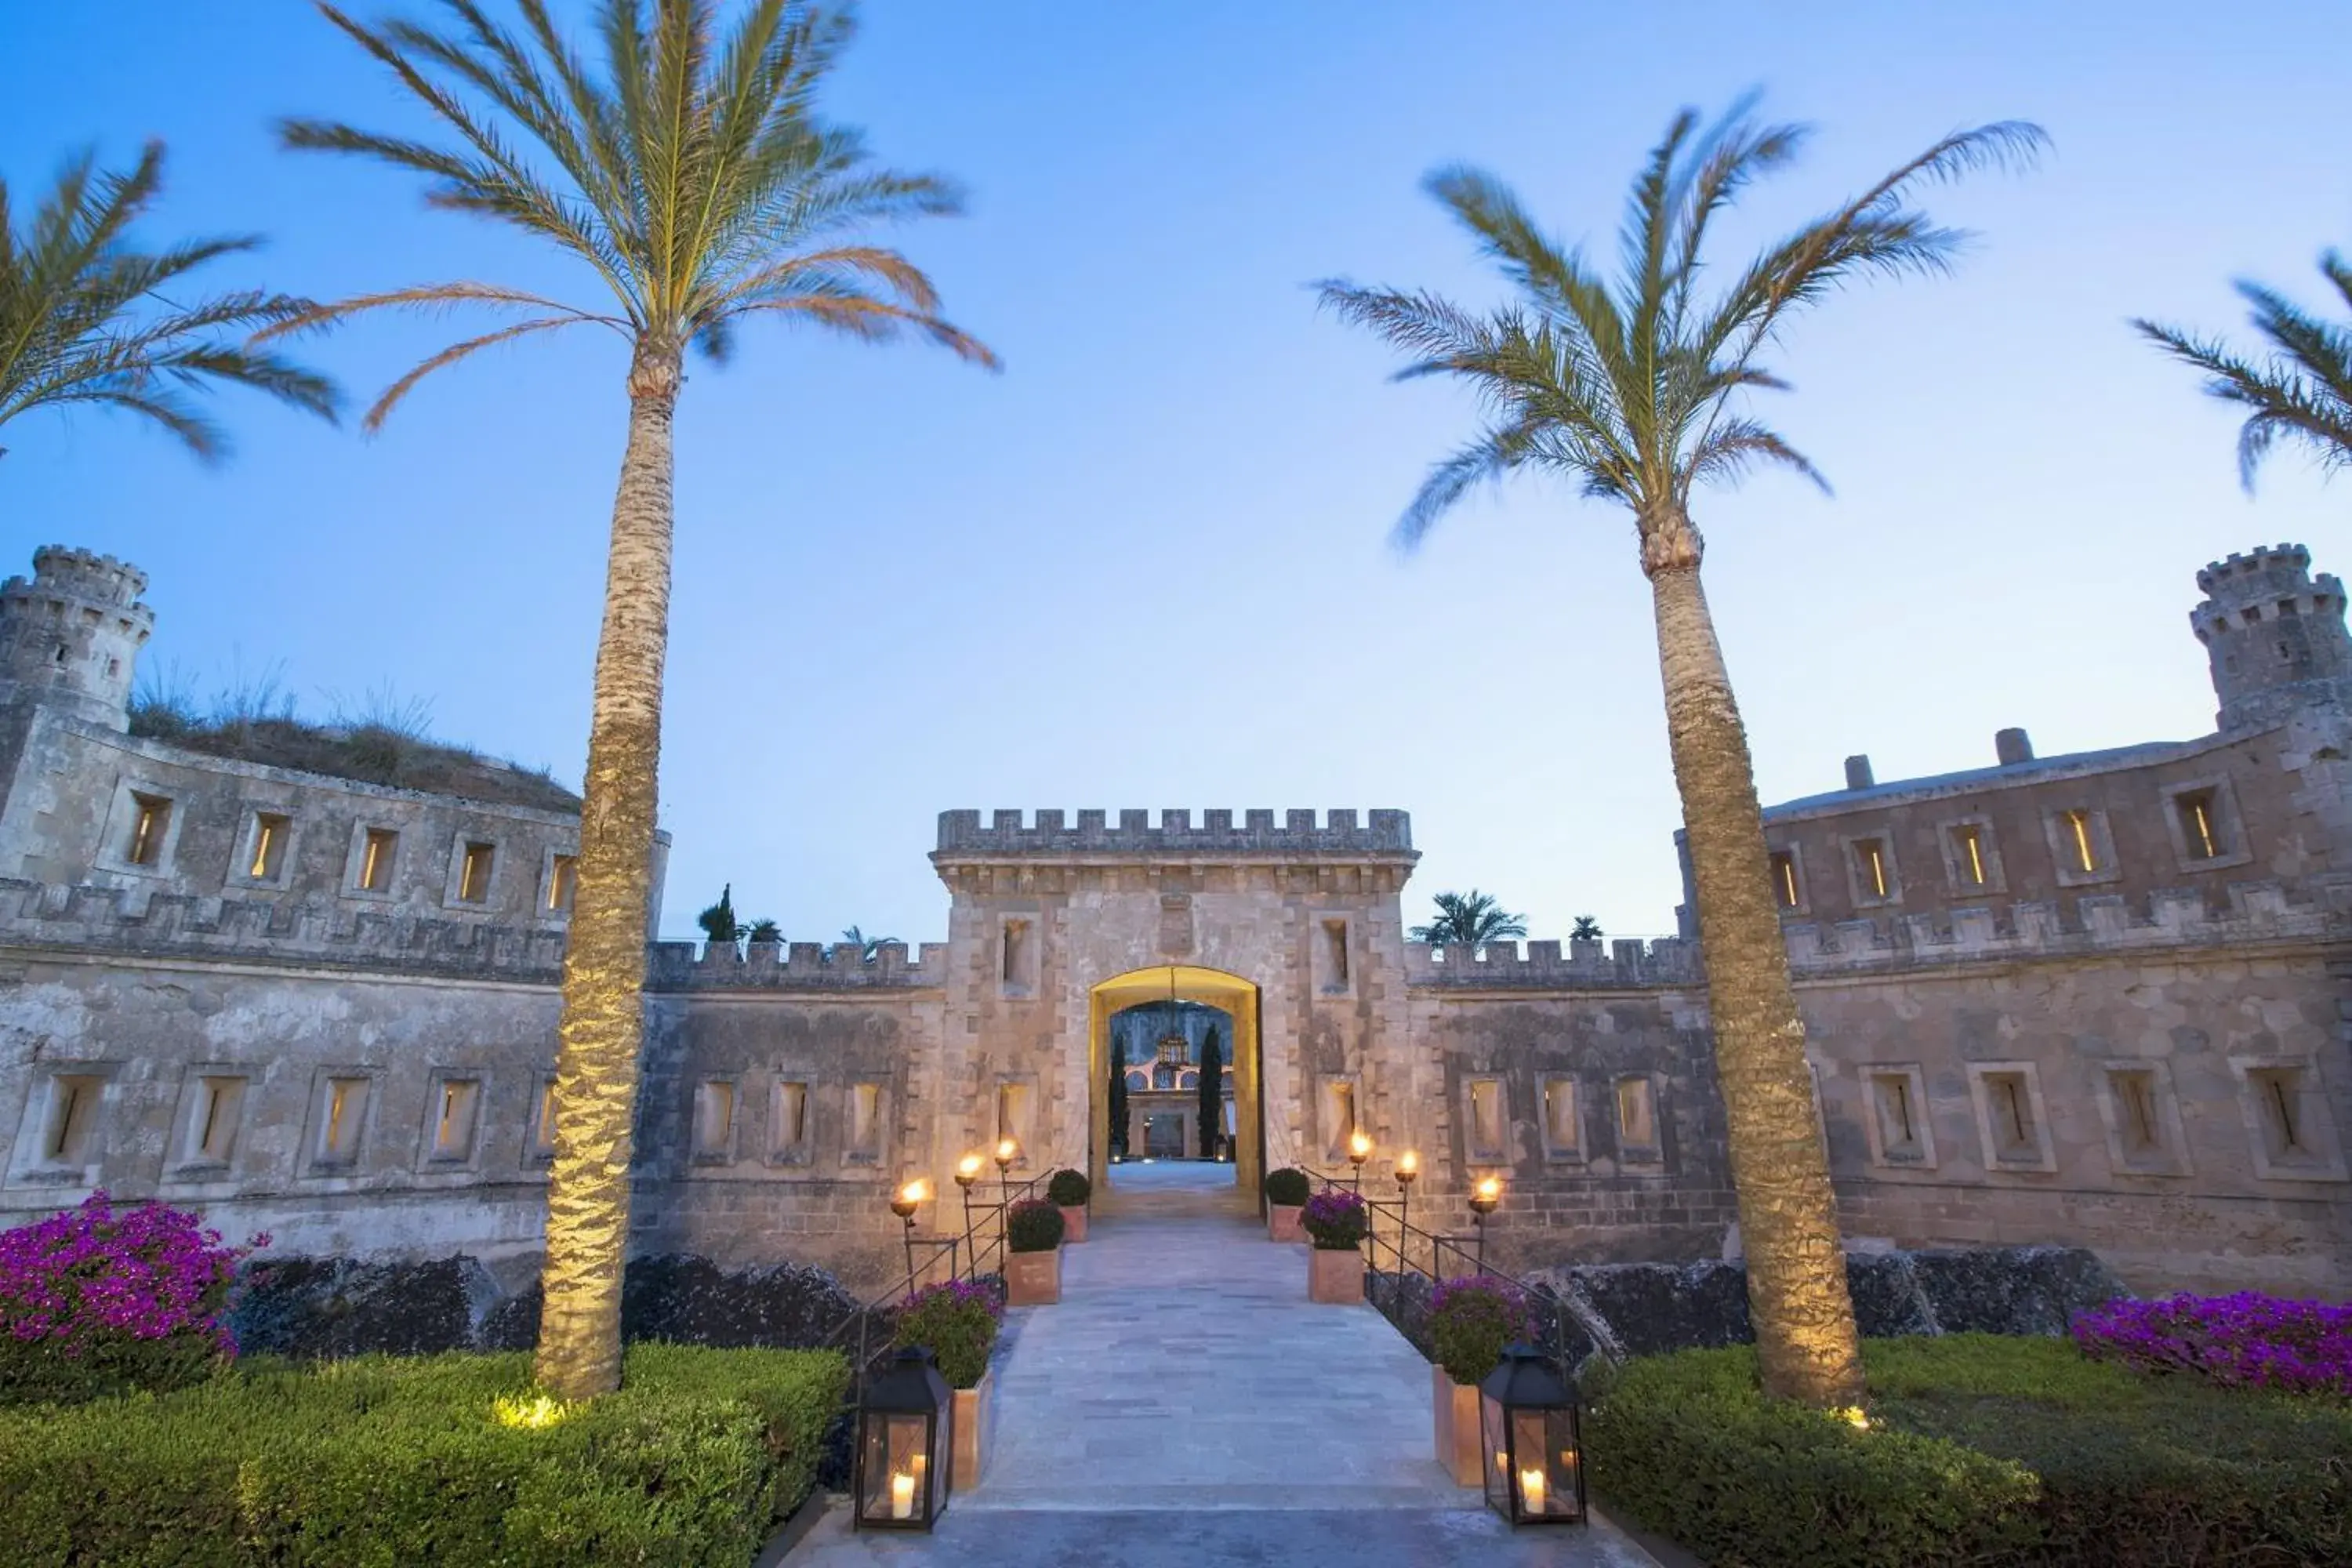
2248, 1340
95, 1284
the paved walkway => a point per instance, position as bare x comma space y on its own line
1185, 1403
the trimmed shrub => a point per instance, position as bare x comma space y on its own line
99, 1301
1980, 1449
2249, 1340
1286, 1188
1068, 1189
451, 1459
1335, 1220
1033, 1225
956, 1322
1471, 1319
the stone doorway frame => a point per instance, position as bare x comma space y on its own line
1239, 999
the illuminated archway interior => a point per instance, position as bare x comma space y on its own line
1230, 994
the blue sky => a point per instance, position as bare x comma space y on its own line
1146, 566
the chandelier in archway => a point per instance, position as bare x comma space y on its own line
1172, 1042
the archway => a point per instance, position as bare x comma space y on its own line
1231, 994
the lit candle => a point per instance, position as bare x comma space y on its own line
902, 1496
1531, 1489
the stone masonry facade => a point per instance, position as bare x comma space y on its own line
2097, 999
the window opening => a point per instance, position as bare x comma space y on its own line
453, 1133
1969, 845
339, 1140
1784, 879
474, 873
2078, 824
1560, 1113
1873, 856
375, 860
269, 831
714, 1117
216, 1130
73, 1108
1335, 940
155, 814
2136, 1091
563, 877
2197, 824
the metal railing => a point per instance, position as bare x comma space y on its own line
1405, 1264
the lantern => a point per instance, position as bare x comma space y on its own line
1534, 1450
906, 1430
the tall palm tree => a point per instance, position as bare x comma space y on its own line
1635, 390
691, 178
2301, 390
1473, 917
85, 317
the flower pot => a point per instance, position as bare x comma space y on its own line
1282, 1222
1074, 1223
971, 1427
1033, 1279
1335, 1275
1455, 1405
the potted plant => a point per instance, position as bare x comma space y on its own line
1470, 1321
1337, 1222
1033, 1261
1285, 1194
956, 1322
1068, 1190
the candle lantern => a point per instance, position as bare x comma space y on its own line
1534, 1448
906, 1429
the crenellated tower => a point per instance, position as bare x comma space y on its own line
69, 637
2276, 635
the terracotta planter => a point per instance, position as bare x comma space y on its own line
1073, 1224
1282, 1222
971, 1432
1033, 1279
1335, 1275
1455, 1405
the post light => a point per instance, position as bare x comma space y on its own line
910, 1197
1534, 1447
1483, 1199
1007, 1151
967, 1172
1408, 1168
906, 1430
1359, 1149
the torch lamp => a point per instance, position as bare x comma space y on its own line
1483, 1199
1359, 1149
1007, 1151
1408, 1170
909, 1198
967, 1172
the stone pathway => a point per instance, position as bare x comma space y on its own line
1185, 1403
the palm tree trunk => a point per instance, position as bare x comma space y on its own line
601, 1031
1806, 1344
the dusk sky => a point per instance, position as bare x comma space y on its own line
1148, 564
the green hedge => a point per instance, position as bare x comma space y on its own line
1982, 1450
380, 1461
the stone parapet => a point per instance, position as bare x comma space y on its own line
2259, 914
1630, 961
298, 932
1386, 834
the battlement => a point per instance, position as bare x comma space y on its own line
2259, 913
1630, 961
297, 934
82, 575
2249, 571
1382, 833
800, 965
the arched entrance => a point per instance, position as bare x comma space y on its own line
1230, 994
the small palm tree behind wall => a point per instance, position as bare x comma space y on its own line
691, 181
1474, 918
85, 322
2300, 390
1637, 390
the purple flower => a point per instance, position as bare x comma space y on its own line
2248, 1340
95, 1273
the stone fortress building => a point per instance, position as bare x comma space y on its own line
2096, 999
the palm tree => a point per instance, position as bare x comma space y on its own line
1635, 390
866, 946
2302, 389
1587, 928
84, 318
1474, 917
692, 179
